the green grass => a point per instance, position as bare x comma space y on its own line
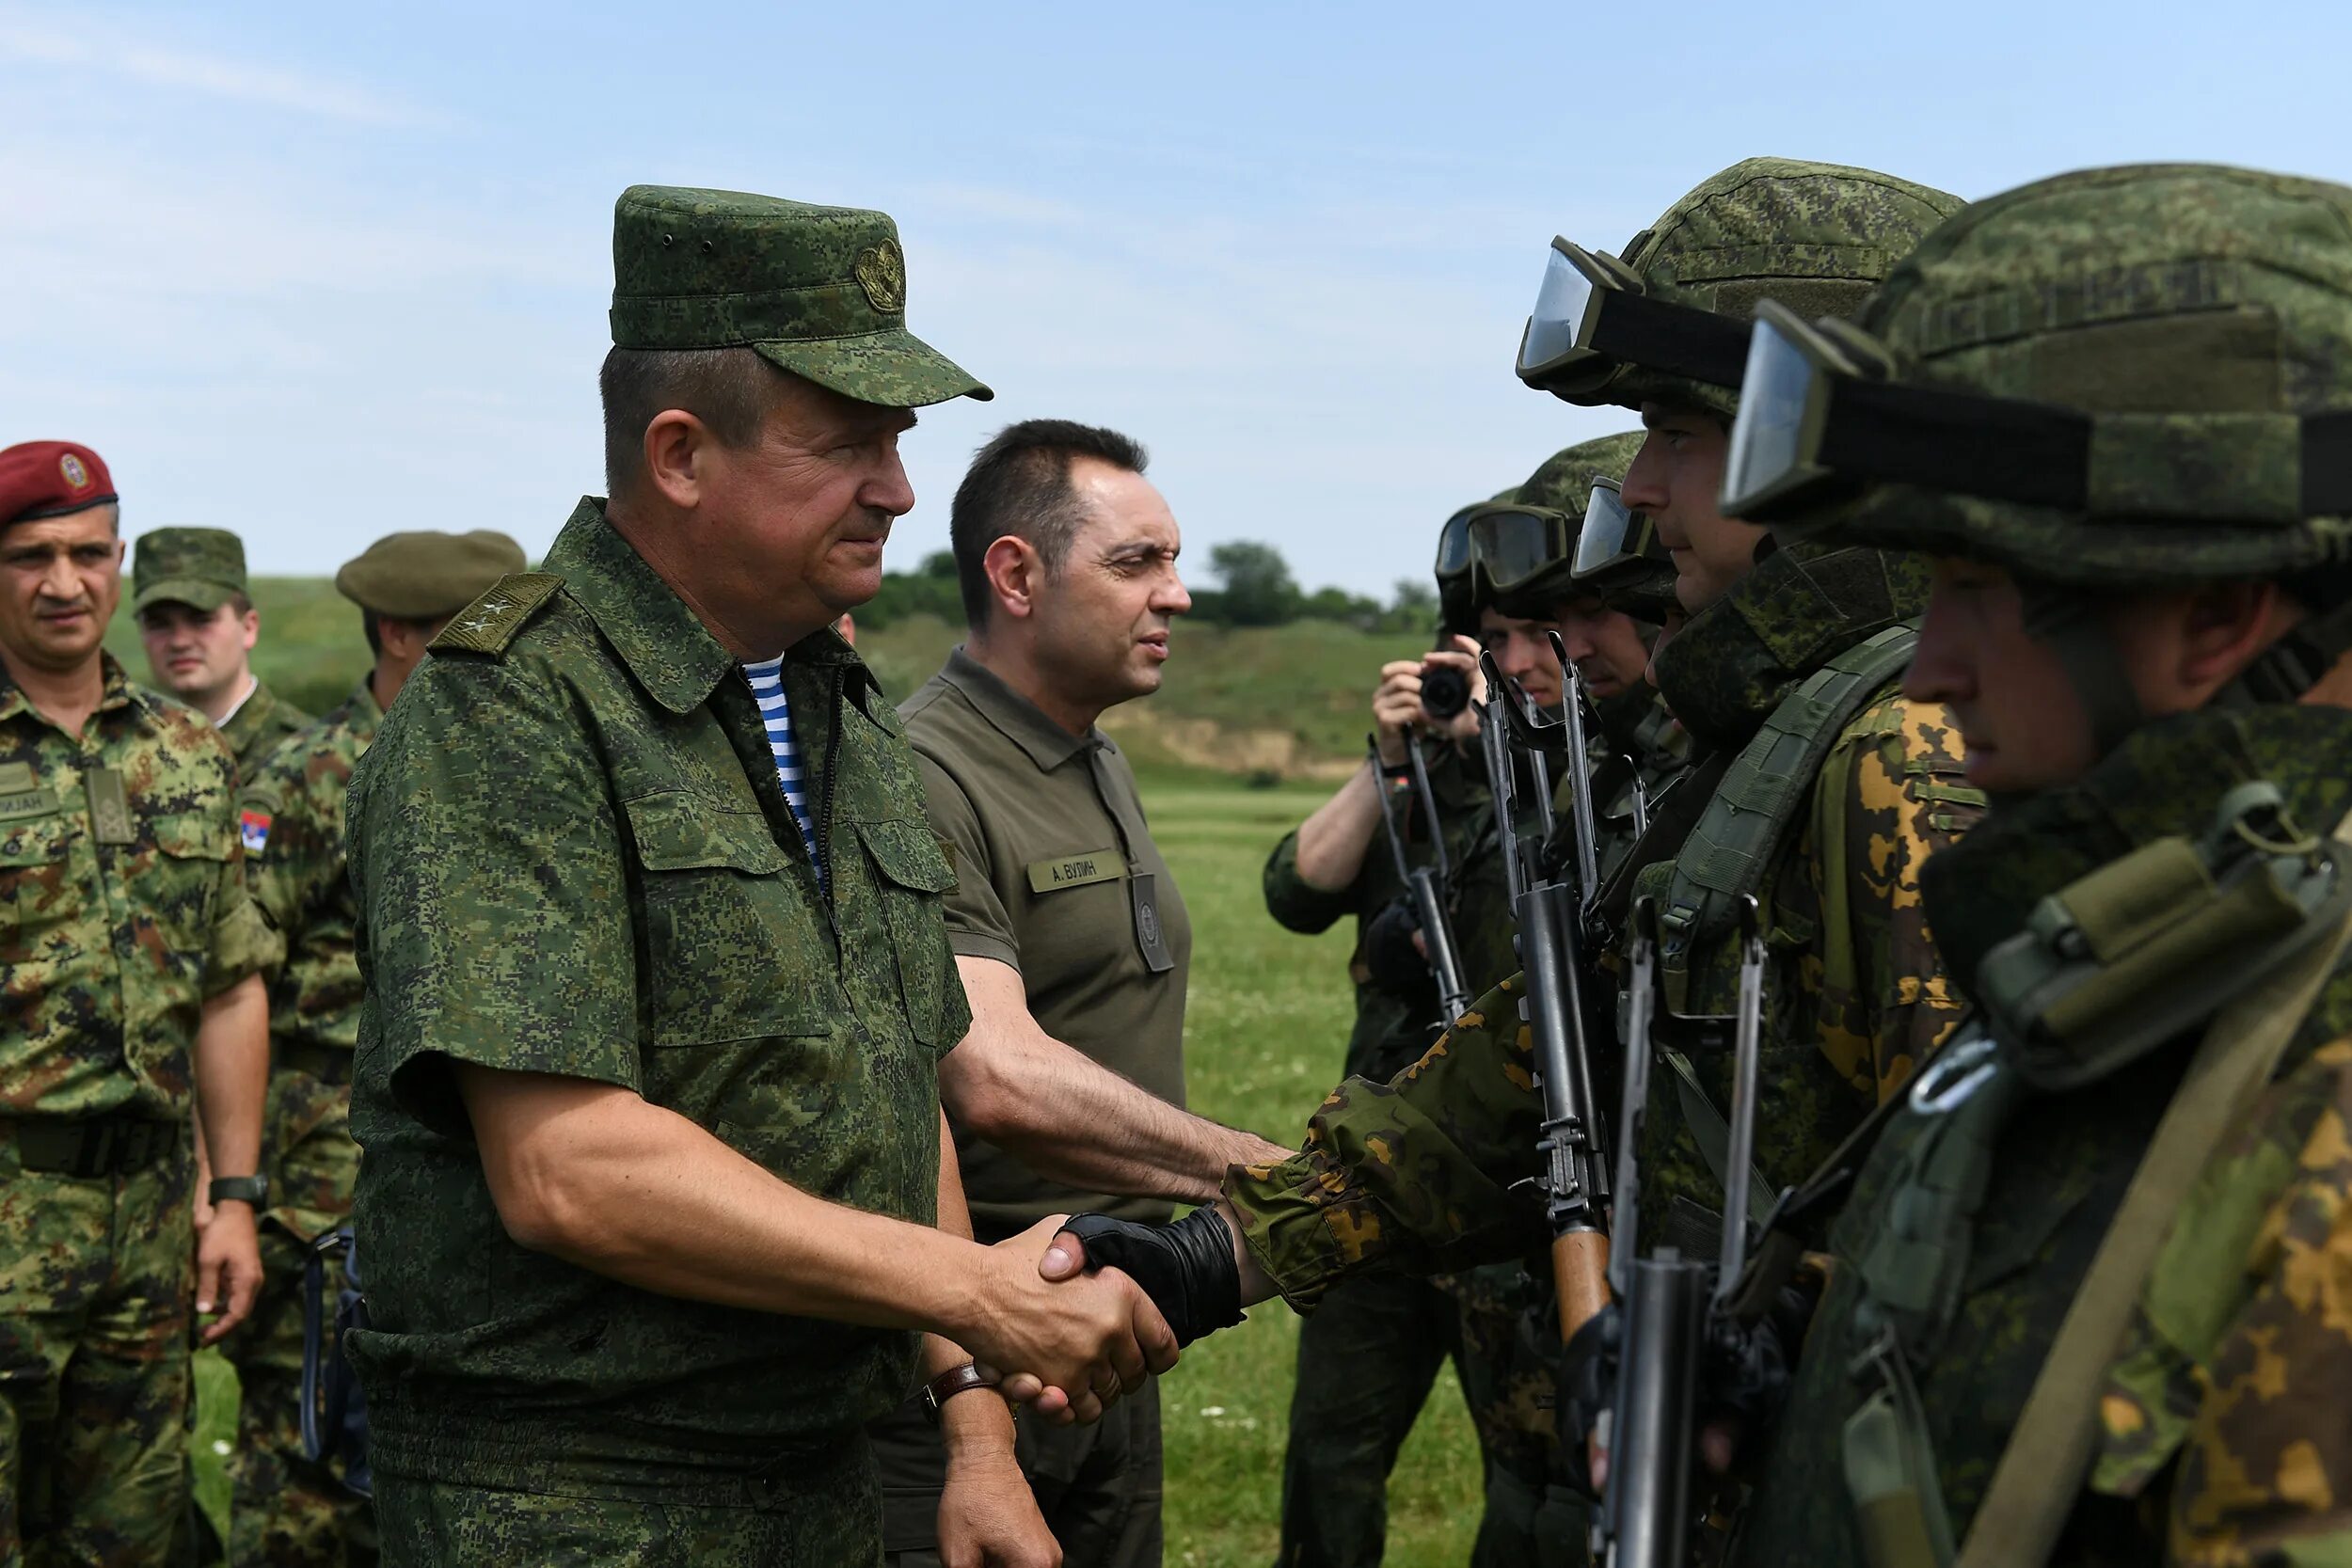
1264, 1027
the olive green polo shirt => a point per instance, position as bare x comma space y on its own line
1049, 840
571, 855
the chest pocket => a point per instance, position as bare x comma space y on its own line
733, 944
914, 878
36, 890
192, 846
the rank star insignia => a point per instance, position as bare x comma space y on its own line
487, 616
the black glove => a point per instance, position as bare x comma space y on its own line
1588, 1383
1396, 965
1186, 1268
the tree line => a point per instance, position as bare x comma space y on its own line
1249, 584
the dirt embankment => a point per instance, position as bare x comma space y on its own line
1206, 743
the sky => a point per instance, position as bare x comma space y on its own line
317, 273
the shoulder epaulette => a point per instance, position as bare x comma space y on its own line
491, 622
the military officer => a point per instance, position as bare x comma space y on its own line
655, 978
128, 974
2085, 1303
198, 625
1068, 928
286, 1510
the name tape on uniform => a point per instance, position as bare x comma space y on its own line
1094, 865
37, 802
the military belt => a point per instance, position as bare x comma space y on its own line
90, 1148
328, 1064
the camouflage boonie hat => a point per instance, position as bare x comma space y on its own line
1816, 237
428, 575
2209, 307
200, 568
820, 292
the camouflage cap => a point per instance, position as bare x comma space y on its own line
1816, 237
201, 567
427, 576
2189, 292
820, 292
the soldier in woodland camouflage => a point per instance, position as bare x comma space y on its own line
2133, 628
285, 1510
199, 625
128, 960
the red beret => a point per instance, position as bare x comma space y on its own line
49, 479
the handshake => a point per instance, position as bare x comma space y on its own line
1107, 1301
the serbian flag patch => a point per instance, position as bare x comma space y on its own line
254, 825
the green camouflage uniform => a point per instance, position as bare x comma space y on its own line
287, 1510
1365, 1362
123, 909
2171, 295
260, 723
572, 854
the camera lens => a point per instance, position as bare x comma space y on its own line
1445, 692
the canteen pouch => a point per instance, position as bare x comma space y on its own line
334, 1409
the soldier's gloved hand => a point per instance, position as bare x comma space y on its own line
1744, 1378
1186, 1268
1398, 964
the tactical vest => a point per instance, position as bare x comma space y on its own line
2242, 928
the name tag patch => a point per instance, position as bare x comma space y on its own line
253, 826
1095, 865
38, 802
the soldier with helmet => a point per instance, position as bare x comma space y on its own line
130, 994
2086, 1302
285, 1509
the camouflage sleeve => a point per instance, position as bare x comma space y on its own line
495, 900
978, 924
1297, 904
1415, 1176
1891, 794
282, 850
2233, 1377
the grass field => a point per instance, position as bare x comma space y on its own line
1266, 1025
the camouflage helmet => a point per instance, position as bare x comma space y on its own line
1816, 237
1564, 484
2186, 317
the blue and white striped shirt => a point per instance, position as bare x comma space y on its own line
767, 679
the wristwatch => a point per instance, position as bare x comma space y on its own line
244, 1189
954, 1381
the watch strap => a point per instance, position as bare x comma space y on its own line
247, 1188
954, 1381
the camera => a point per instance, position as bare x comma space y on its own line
1445, 692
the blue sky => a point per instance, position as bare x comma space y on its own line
316, 273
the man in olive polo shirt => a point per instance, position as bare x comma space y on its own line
1067, 930
198, 627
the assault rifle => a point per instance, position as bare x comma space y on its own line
1573, 1143
1675, 1312
1427, 886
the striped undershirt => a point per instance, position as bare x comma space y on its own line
767, 679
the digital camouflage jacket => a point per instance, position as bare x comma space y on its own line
2223, 1437
571, 854
122, 902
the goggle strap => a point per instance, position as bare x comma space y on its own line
2328, 463
1670, 338
2002, 449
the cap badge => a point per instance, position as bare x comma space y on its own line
78, 476
881, 272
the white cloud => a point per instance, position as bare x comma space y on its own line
112, 49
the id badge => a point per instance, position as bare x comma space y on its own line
109, 806
1149, 939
